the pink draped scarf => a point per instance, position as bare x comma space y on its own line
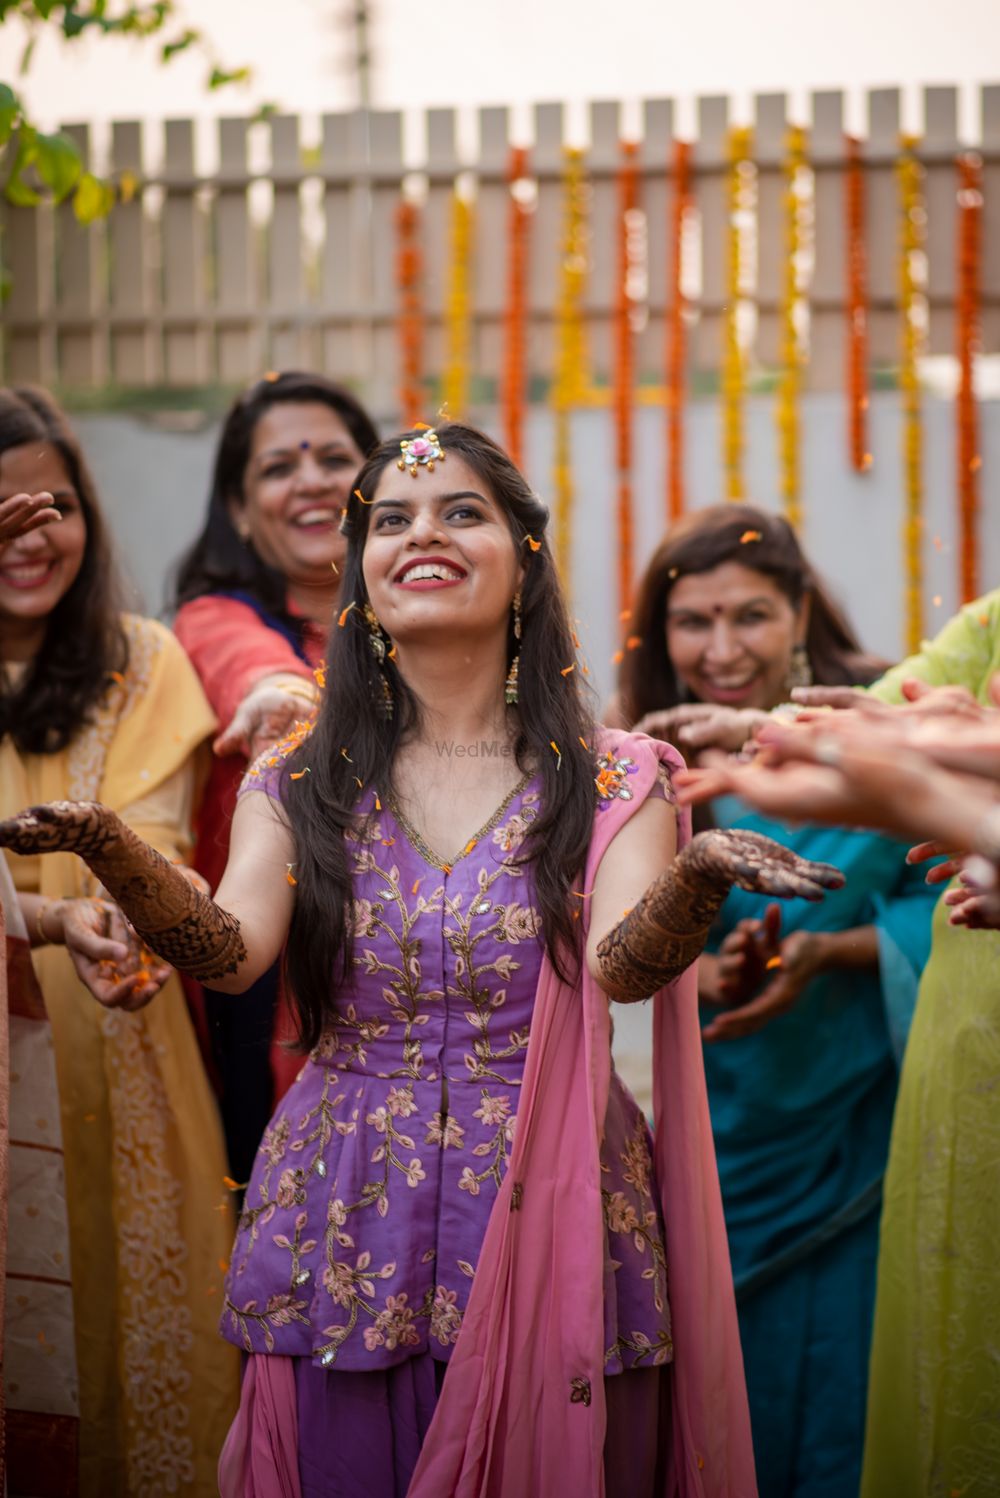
522, 1409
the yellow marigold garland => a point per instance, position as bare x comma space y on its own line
787, 414
909, 175
970, 216
677, 333
569, 384
733, 363
458, 309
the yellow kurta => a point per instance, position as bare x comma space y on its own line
150, 1224
933, 1393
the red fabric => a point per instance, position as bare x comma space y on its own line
231, 648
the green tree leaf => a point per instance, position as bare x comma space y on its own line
58, 164
10, 108
93, 199
221, 77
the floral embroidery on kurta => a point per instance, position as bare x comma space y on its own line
375, 1181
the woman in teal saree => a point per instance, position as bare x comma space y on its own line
805, 1012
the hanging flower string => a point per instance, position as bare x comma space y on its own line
857, 307
458, 309
740, 193
515, 312
677, 332
790, 385
909, 176
970, 222
624, 393
569, 384
409, 279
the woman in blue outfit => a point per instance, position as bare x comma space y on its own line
805, 1008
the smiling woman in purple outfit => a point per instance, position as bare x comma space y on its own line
463, 869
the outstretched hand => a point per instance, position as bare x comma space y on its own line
82, 827
110, 959
267, 714
23, 513
759, 864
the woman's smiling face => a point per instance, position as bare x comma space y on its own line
302, 467
439, 555
730, 634
38, 569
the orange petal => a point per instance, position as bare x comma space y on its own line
567, 669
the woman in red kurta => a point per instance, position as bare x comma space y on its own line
255, 597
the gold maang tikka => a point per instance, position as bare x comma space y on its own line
422, 451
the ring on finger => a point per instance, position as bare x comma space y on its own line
829, 752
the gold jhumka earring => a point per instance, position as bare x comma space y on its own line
510, 686
376, 640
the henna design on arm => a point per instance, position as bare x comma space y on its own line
668, 928
176, 921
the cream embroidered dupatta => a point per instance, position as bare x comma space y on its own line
150, 1225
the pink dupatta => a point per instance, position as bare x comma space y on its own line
522, 1410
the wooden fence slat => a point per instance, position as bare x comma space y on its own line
291, 342
883, 226
827, 327
603, 162
186, 324
939, 149
238, 354
769, 140
27, 246
81, 288
545, 239
346, 285
489, 277
990, 259
656, 162
710, 162
387, 175
133, 343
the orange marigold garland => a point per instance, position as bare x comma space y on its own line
733, 363
790, 385
677, 332
569, 383
909, 175
628, 200
409, 278
970, 221
857, 307
458, 309
515, 313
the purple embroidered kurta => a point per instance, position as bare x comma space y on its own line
374, 1182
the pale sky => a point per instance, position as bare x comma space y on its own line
472, 52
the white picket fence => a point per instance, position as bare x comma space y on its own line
212, 280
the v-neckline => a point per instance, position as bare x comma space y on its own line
422, 846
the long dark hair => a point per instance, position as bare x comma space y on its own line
84, 644
321, 806
766, 543
219, 561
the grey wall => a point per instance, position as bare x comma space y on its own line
154, 483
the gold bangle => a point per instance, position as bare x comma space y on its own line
43, 909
